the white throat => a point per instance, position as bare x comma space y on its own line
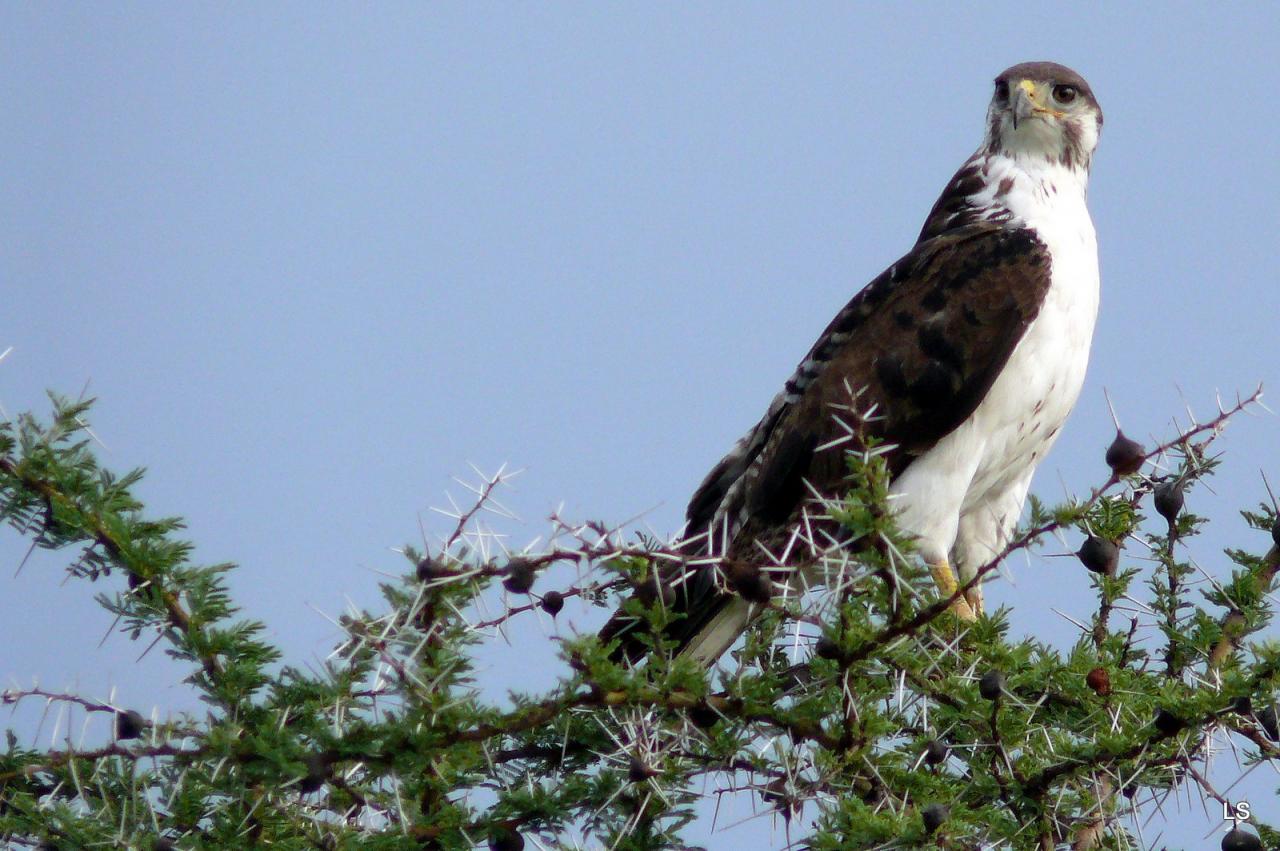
1034, 191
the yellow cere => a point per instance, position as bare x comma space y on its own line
1034, 95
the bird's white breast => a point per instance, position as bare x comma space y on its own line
1035, 392
986, 464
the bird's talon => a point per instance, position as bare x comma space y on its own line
974, 598
962, 610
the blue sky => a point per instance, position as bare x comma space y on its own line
314, 261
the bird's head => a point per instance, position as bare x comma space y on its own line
1044, 110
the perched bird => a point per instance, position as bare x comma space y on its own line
970, 351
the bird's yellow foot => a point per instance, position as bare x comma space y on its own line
962, 607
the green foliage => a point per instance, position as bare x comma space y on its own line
860, 715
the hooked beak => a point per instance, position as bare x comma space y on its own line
1029, 101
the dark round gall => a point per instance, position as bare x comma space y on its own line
552, 602
991, 686
309, 784
935, 753
505, 839
429, 569
1275, 532
1239, 839
317, 765
638, 772
751, 583
775, 793
1125, 456
1267, 719
1168, 500
826, 648
130, 724
1168, 723
1129, 790
520, 576
1242, 705
1099, 555
703, 717
934, 815
1099, 680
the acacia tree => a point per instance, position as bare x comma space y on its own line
860, 713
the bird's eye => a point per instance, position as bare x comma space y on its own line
1065, 94
1002, 90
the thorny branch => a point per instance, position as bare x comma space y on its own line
394, 734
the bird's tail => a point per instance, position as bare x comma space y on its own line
712, 612
704, 638
716, 636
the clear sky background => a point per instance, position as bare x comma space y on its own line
315, 260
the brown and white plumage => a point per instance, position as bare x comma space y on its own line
972, 349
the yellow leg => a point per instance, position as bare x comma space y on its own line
945, 578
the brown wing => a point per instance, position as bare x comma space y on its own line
923, 342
